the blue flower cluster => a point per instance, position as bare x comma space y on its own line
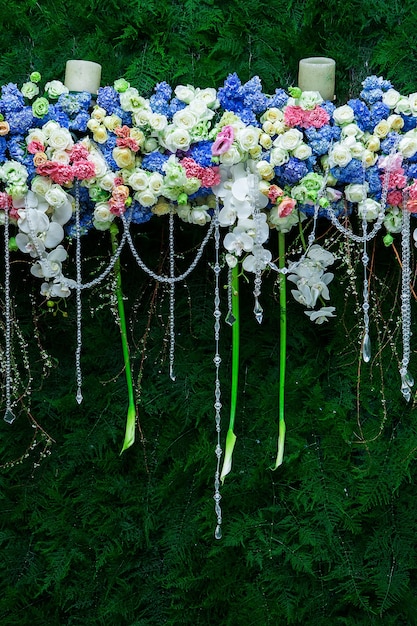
154, 162
138, 214
246, 100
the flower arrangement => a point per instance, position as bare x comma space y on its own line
250, 162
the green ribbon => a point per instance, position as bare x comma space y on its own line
231, 437
131, 411
282, 350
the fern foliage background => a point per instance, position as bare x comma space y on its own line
89, 537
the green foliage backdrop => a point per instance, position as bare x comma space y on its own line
89, 537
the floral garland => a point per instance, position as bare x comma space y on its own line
179, 149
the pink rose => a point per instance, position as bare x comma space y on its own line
286, 206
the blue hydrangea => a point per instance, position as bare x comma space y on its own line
73, 103
362, 114
159, 105
20, 120
79, 123
108, 98
3, 148
138, 214
320, 139
351, 173
107, 151
410, 170
278, 99
174, 106
154, 161
410, 122
201, 153
372, 176
389, 142
11, 98
291, 172
379, 111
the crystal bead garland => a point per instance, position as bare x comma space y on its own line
78, 288
9, 416
253, 183
171, 296
230, 318
217, 361
407, 381
366, 342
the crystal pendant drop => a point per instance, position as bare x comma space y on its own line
218, 532
258, 311
230, 318
171, 373
366, 348
79, 396
9, 416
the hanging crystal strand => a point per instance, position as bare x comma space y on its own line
217, 361
9, 416
366, 341
253, 182
407, 381
79, 396
230, 318
171, 295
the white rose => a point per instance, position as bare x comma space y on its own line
49, 127
268, 128
357, 149
176, 139
289, 140
102, 213
369, 209
339, 155
130, 100
199, 216
106, 182
40, 185
59, 156
352, 130
356, 192
146, 198
208, 96
201, 110
98, 113
390, 98
142, 117
99, 163
138, 180
184, 119
412, 98
343, 115
279, 156
382, 129
56, 196
156, 182
403, 106
55, 88
185, 93
158, 122
60, 139
111, 122
408, 146
247, 138
302, 152
231, 157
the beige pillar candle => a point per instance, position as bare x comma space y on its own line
317, 74
82, 76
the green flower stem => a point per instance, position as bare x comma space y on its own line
131, 411
231, 437
282, 350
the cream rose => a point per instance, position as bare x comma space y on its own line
176, 139
158, 122
59, 156
395, 121
111, 122
403, 106
382, 129
184, 119
98, 113
373, 143
139, 180
265, 141
302, 152
247, 138
106, 182
272, 115
102, 214
185, 93
100, 135
390, 98
146, 198
265, 170
356, 192
40, 185
156, 182
123, 157
279, 156
369, 209
56, 196
369, 158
